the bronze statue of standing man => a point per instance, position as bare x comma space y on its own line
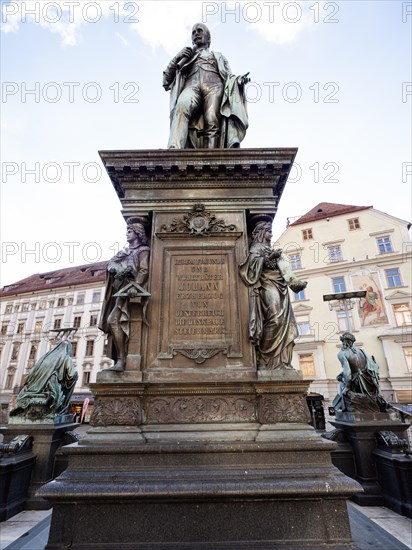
207, 104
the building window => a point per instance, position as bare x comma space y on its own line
338, 284
25, 306
33, 306
9, 381
402, 314
51, 303
20, 328
295, 261
303, 325
60, 302
393, 277
80, 299
96, 296
86, 378
38, 326
407, 352
33, 352
384, 244
43, 305
353, 224
335, 253
4, 329
77, 321
93, 320
105, 346
299, 295
15, 351
307, 234
74, 349
57, 324
307, 364
345, 323
89, 348
9, 308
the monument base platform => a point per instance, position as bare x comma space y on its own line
244, 494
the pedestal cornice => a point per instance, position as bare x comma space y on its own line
209, 168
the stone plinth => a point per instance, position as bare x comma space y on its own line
361, 430
15, 476
192, 495
394, 471
46, 440
191, 447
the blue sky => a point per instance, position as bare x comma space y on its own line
331, 78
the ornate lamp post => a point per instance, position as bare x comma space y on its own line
344, 301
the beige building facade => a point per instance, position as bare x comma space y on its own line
341, 248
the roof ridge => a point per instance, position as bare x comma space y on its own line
327, 210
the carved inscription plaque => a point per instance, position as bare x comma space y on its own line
198, 285
200, 305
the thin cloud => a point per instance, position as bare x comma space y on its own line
162, 23
280, 22
59, 17
122, 39
167, 24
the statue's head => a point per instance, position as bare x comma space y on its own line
138, 229
201, 35
348, 339
260, 230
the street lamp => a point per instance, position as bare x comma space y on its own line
344, 302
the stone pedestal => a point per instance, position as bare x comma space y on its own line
361, 430
16, 466
46, 440
394, 471
193, 447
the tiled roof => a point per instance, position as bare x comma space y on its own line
71, 276
328, 210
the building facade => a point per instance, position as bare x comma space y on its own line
340, 248
33, 307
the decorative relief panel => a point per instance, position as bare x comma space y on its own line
200, 409
199, 356
198, 222
116, 411
282, 408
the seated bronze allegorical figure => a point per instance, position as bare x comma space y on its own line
49, 386
207, 103
359, 380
